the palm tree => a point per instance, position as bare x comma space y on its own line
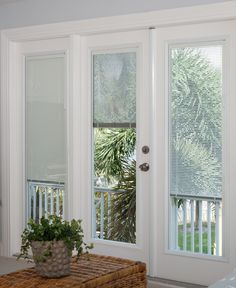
115, 160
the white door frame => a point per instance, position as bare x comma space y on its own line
11, 176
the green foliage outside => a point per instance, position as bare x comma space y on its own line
114, 159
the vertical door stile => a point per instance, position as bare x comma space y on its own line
154, 195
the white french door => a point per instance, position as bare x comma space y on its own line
38, 133
193, 208
116, 105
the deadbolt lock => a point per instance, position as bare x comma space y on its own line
145, 149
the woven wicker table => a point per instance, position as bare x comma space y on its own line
89, 272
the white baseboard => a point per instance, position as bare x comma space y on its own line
156, 284
165, 283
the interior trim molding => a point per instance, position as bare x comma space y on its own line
4, 145
169, 17
156, 282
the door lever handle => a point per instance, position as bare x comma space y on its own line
144, 167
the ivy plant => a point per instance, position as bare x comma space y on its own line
53, 228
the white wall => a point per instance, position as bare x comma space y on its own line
34, 12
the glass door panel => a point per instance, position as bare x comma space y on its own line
114, 134
45, 135
195, 143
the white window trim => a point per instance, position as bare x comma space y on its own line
13, 175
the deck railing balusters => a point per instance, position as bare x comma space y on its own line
45, 198
197, 229
198, 216
103, 197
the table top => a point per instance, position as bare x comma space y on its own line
90, 271
9, 264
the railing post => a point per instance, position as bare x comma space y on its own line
57, 202
46, 202
200, 226
29, 199
217, 228
184, 226
94, 218
63, 204
220, 229
52, 201
174, 239
172, 223
102, 216
209, 228
108, 212
34, 202
40, 203
192, 224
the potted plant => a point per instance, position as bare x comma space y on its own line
52, 241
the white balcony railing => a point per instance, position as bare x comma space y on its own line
45, 198
102, 211
195, 223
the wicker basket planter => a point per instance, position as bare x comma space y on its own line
51, 258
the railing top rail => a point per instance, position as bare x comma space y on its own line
109, 190
52, 184
45, 181
181, 196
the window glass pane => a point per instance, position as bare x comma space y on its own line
114, 193
114, 87
45, 134
195, 143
